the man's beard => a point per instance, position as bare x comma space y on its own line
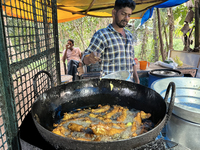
121, 23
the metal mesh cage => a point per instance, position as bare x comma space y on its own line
29, 44
3, 136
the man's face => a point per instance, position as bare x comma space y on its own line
122, 17
69, 45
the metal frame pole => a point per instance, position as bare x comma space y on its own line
197, 26
56, 43
7, 100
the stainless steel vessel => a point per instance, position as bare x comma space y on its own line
120, 75
183, 132
184, 125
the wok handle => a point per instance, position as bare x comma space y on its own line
173, 93
35, 83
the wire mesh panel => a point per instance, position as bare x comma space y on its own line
31, 45
3, 136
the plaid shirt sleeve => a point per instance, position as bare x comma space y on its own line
96, 44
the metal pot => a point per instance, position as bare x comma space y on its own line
50, 106
162, 73
187, 99
184, 126
183, 132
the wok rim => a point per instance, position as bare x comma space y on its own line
155, 131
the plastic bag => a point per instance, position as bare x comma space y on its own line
172, 65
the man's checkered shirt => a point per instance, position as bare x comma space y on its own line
117, 52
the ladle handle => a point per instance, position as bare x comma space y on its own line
173, 93
35, 83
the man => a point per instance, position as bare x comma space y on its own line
114, 44
73, 56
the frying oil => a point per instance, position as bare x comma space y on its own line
147, 124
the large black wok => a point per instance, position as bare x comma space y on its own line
50, 106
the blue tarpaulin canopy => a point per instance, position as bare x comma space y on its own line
170, 3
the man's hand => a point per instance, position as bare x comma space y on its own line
92, 58
80, 70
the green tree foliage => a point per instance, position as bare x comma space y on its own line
179, 13
80, 30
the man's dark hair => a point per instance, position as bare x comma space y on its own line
71, 41
119, 4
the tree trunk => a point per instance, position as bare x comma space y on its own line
146, 39
143, 55
160, 35
197, 26
134, 32
83, 47
166, 40
171, 27
142, 48
155, 37
79, 33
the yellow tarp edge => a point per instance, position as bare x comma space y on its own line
68, 13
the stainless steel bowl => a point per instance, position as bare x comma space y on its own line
120, 75
184, 125
183, 132
187, 100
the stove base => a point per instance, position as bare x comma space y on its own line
30, 138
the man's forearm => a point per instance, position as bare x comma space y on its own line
135, 75
64, 57
86, 60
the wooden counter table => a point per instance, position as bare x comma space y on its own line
185, 69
